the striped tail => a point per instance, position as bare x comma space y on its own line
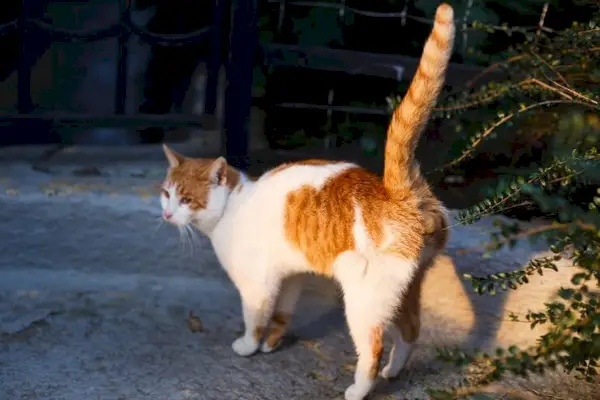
412, 114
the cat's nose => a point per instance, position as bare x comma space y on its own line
167, 214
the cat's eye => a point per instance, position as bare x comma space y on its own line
166, 193
186, 200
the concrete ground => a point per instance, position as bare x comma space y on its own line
95, 294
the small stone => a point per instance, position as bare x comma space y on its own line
194, 323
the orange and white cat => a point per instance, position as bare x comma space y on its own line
335, 219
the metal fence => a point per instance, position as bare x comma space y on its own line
376, 64
33, 30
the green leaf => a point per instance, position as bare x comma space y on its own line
565, 293
577, 278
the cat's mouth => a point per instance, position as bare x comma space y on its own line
179, 223
170, 218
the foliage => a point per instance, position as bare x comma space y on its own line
552, 80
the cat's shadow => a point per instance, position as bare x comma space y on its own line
424, 366
331, 321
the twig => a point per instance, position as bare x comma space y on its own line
479, 101
511, 60
575, 93
541, 23
589, 31
494, 67
491, 209
546, 63
546, 86
503, 90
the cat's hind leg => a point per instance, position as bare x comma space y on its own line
406, 326
372, 293
259, 297
405, 332
289, 294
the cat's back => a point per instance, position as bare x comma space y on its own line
322, 209
290, 176
271, 190
264, 201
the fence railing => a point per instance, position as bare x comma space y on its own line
376, 65
32, 29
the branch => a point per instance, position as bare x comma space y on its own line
494, 67
505, 119
541, 23
560, 76
525, 82
514, 59
489, 209
575, 93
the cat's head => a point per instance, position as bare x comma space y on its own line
195, 190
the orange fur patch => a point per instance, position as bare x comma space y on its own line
376, 350
408, 317
233, 177
319, 222
192, 177
279, 324
258, 333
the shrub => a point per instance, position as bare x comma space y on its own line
552, 82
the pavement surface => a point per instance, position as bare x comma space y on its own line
95, 296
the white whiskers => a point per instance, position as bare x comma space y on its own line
188, 240
159, 224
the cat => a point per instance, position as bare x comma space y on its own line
375, 237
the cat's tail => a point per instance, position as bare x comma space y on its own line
412, 114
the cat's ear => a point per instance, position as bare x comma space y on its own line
174, 158
218, 171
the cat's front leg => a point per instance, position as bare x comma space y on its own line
258, 303
289, 294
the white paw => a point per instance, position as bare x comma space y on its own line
244, 347
388, 373
354, 392
265, 348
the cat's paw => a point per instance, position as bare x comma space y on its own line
388, 373
354, 392
266, 348
244, 347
